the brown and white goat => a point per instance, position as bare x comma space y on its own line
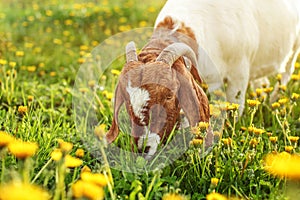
156, 84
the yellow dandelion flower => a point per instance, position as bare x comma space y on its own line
227, 141
293, 138
232, 106
12, 64
72, 162
88, 190
30, 98
107, 32
31, 18
52, 74
295, 77
84, 48
57, 41
268, 90
109, 95
215, 196
3, 62
143, 23
66, 33
173, 196
19, 53
283, 101
92, 83
28, 45
31, 68
83, 90
49, 13
68, 22
253, 103
35, 6
99, 131
253, 142
56, 154
275, 105
250, 129
151, 9
122, 20
282, 87
283, 165
65, 146
214, 111
37, 50
24, 191
81, 60
204, 86
94, 43
22, 149
253, 94
273, 139
79, 153
196, 142
278, 77
24, 24
258, 131
214, 181
5, 139
259, 91
295, 96
288, 148
115, 72
203, 125
95, 178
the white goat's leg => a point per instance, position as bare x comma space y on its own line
290, 67
237, 82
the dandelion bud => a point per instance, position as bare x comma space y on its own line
214, 182
253, 103
273, 139
288, 148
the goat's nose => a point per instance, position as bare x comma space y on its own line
158, 117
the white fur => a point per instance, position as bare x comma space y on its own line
138, 100
149, 139
245, 39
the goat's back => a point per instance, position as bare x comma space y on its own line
264, 32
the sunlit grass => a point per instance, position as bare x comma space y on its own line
43, 44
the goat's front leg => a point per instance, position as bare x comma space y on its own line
237, 82
290, 67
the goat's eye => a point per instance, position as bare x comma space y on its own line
169, 97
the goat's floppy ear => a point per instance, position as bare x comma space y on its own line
113, 132
194, 103
192, 99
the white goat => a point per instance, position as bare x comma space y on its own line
245, 39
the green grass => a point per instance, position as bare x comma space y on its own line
55, 39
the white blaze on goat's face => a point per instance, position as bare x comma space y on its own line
138, 99
150, 140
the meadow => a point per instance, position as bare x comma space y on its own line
48, 148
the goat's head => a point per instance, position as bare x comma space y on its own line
154, 93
